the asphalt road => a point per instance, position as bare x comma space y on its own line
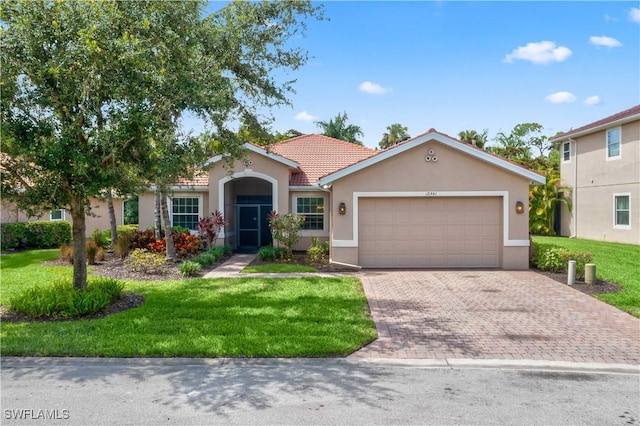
83, 391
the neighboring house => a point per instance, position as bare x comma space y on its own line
600, 162
431, 201
99, 219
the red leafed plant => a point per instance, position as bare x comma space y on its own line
209, 227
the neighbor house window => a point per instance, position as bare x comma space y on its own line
56, 214
312, 209
622, 210
566, 152
185, 212
613, 143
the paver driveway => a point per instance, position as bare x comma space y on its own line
496, 315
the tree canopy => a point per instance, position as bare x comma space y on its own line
474, 138
338, 128
92, 92
395, 134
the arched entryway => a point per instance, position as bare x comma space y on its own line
247, 203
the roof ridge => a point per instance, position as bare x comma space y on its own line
609, 119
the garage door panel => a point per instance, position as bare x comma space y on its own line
430, 232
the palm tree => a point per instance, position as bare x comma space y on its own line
473, 137
338, 128
395, 134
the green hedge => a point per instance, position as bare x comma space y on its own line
39, 234
549, 257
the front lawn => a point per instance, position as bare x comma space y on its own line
617, 263
265, 268
252, 317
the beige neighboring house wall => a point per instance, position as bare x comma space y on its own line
597, 179
99, 217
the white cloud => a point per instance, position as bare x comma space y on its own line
634, 14
609, 18
604, 41
304, 116
372, 88
592, 100
539, 53
561, 97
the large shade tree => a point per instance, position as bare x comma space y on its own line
339, 128
92, 92
395, 134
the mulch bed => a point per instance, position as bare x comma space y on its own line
600, 286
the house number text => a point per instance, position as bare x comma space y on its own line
431, 194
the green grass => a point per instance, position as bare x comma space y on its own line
242, 317
278, 268
617, 263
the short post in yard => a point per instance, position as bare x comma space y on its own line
571, 276
590, 273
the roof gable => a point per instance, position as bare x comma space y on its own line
261, 151
432, 135
621, 117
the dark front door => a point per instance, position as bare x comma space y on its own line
248, 228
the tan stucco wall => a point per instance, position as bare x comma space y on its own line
98, 219
454, 171
307, 235
594, 181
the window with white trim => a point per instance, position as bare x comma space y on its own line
613, 143
185, 212
312, 209
566, 152
622, 211
56, 214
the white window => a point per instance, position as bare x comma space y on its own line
56, 214
566, 152
312, 208
621, 211
186, 211
613, 144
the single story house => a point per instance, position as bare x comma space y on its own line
600, 162
431, 201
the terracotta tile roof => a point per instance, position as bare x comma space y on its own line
319, 155
200, 179
610, 119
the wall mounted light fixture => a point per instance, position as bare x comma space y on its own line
342, 208
519, 207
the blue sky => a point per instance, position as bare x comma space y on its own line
466, 65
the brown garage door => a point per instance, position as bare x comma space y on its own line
430, 232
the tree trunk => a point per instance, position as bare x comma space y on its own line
78, 231
112, 220
171, 250
158, 216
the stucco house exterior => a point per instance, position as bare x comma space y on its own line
431, 201
600, 162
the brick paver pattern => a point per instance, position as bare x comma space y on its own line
493, 315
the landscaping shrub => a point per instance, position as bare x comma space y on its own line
123, 245
46, 234
185, 243
205, 259
60, 299
12, 235
267, 253
286, 230
209, 227
102, 239
92, 249
101, 254
317, 253
189, 269
553, 258
142, 260
66, 253
125, 229
142, 239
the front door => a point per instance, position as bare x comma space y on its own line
248, 227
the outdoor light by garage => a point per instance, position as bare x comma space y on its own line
342, 208
519, 207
